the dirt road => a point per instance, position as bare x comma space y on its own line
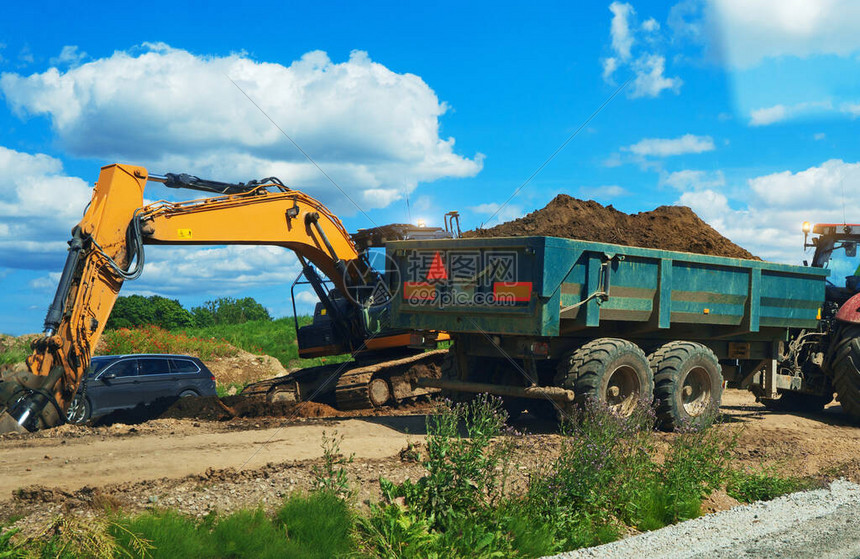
174, 449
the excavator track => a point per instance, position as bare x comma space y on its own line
354, 385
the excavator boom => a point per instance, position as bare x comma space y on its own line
107, 248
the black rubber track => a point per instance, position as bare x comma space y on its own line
844, 362
585, 370
670, 364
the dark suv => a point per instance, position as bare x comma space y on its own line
117, 382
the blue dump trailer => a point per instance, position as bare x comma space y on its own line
547, 322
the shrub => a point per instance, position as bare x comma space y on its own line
227, 310
136, 310
151, 339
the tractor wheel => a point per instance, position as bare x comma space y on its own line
798, 402
688, 384
845, 366
608, 370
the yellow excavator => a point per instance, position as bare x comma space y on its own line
106, 249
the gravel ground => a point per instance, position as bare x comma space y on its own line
813, 524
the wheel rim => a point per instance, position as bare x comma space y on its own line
76, 410
696, 392
623, 390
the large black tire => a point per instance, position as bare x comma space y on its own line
688, 384
80, 410
608, 370
844, 363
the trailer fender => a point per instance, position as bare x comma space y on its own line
850, 311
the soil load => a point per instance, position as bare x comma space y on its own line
676, 228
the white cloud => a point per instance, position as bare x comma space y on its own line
770, 209
690, 180
39, 204
754, 30
25, 56
819, 136
69, 55
778, 113
665, 147
650, 25
376, 132
852, 109
307, 298
609, 66
647, 65
619, 29
650, 81
502, 214
602, 192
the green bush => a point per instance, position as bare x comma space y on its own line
136, 310
227, 310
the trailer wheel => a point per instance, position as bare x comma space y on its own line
844, 363
688, 384
608, 370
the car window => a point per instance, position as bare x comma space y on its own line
153, 366
96, 366
124, 368
182, 366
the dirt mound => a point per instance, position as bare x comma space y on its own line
675, 228
213, 408
244, 367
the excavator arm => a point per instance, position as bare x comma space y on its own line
107, 248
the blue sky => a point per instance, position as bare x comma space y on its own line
744, 110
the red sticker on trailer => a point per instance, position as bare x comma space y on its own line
517, 291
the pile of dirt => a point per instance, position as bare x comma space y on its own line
675, 228
244, 367
213, 408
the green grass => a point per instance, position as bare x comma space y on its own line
271, 337
315, 526
13, 350
748, 486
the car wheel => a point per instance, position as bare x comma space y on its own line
187, 393
80, 410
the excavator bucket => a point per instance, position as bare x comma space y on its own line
9, 425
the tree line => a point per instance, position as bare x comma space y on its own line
137, 310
